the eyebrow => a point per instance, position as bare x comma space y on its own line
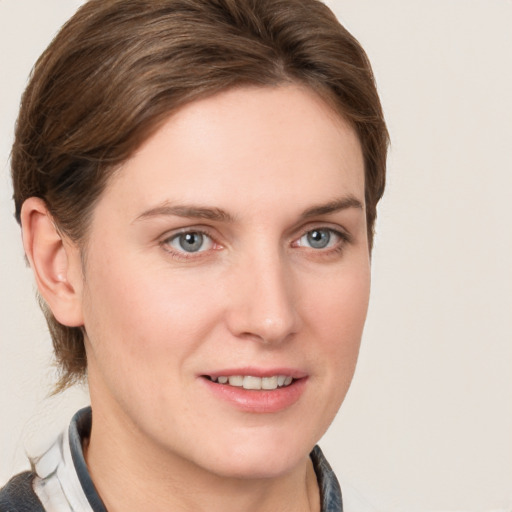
189, 211
220, 215
334, 206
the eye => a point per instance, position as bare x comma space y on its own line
322, 238
190, 242
318, 238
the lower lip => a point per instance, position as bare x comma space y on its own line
258, 401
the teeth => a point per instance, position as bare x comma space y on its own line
269, 382
254, 383
236, 380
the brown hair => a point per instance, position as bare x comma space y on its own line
119, 68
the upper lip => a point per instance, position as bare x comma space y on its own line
257, 372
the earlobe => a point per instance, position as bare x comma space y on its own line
55, 261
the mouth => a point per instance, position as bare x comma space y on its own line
250, 382
257, 390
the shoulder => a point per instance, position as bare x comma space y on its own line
19, 496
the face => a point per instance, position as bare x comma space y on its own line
226, 283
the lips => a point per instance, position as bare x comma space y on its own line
257, 391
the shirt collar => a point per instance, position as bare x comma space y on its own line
80, 429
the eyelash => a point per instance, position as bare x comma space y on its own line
183, 255
343, 239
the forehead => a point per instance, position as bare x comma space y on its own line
248, 146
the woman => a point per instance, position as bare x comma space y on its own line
197, 184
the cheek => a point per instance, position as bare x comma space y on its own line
338, 309
336, 313
337, 316
143, 330
137, 316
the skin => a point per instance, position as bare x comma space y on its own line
256, 295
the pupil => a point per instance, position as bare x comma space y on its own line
319, 239
191, 242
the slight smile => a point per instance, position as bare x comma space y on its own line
257, 391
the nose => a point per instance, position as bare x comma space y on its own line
263, 305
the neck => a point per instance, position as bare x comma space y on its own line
131, 475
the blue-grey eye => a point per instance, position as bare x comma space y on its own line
321, 238
318, 238
191, 241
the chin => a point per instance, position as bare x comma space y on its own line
259, 467
260, 457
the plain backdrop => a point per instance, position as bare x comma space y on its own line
427, 424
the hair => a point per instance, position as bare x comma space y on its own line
119, 68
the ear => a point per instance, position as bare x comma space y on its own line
55, 261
